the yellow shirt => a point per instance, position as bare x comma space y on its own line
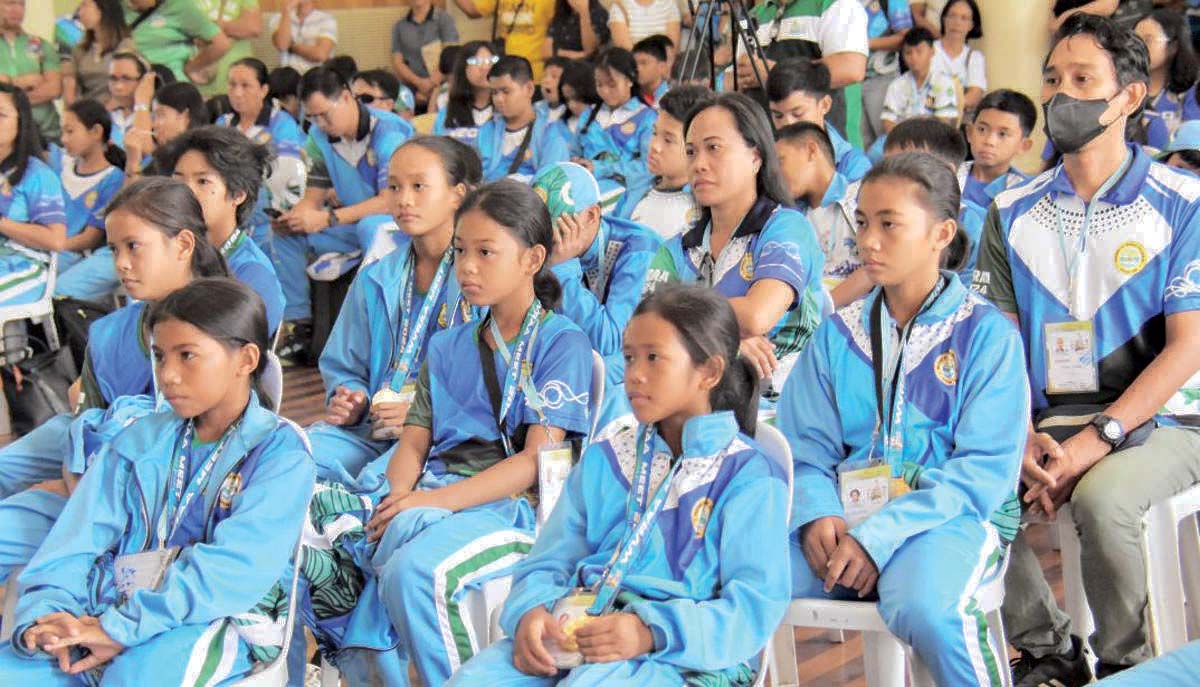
523, 24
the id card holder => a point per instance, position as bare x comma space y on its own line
864, 490
1071, 358
146, 570
406, 394
571, 613
554, 464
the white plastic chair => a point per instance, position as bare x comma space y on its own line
275, 673
272, 380
776, 447
1171, 552
596, 400
40, 311
884, 656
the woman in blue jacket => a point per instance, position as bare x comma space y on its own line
172, 556
614, 140
898, 418
394, 306
159, 242
748, 244
648, 534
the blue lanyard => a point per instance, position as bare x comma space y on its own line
412, 333
181, 493
640, 516
517, 377
1072, 258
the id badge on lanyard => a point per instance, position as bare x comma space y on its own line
146, 570
554, 464
1071, 358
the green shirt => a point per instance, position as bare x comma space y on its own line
167, 36
32, 55
238, 48
814, 29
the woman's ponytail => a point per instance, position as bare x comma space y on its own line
738, 391
546, 288
207, 261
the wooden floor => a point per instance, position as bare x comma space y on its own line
822, 662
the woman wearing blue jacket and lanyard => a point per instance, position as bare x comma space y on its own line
891, 412
162, 219
174, 555
257, 116
394, 306
748, 244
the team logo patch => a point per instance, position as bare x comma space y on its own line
263, 137
946, 368
1130, 257
89, 199
746, 270
700, 515
529, 153
371, 157
231, 487
692, 216
629, 127
442, 317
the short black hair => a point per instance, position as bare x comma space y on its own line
916, 36
1131, 60
344, 65
555, 61
383, 80
696, 62
1014, 103
657, 46
976, 18
447, 59
240, 161
929, 135
283, 82
798, 74
512, 65
800, 132
182, 96
681, 100
323, 80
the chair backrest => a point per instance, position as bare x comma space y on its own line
776, 447
596, 402
272, 380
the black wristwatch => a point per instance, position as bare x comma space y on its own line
1110, 430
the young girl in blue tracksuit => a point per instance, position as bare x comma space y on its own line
92, 171
32, 216
455, 512
901, 459
159, 242
468, 104
257, 116
613, 141
748, 244
224, 170
211, 493
377, 346
651, 524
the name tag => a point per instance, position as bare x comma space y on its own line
146, 570
554, 464
864, 491
1071, 358
571, 614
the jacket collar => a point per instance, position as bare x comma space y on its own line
703, 435
1124, 191
946, 303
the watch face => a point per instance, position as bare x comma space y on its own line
1112, 430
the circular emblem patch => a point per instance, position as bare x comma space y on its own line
229, 488
628, 127
442, 317
746, 270
1130, 257
946, 368
371, 157
700, 514
89, 199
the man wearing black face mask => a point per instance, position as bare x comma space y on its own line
1098, 263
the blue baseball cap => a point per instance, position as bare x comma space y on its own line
1187, 137
566, 188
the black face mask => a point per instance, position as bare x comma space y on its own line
1071, 123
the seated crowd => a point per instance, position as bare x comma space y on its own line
652, 258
